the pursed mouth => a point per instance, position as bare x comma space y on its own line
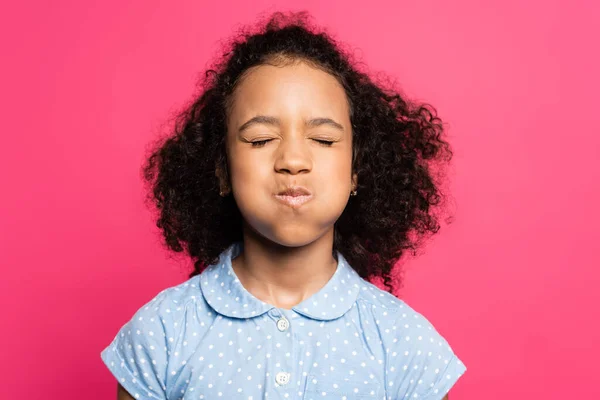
297, 191
293, 201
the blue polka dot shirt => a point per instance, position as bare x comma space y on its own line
210, 338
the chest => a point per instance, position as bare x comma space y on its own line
280, 358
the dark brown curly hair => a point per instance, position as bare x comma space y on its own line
397, 146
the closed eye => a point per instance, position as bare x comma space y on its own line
260, 143
324, 142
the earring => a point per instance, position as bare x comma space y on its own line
353, 193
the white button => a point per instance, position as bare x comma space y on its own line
282, 378
283, 324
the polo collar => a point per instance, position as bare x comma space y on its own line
227, 296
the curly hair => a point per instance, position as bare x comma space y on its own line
396, 144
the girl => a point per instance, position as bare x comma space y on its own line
291, 180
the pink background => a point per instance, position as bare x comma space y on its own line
512, 283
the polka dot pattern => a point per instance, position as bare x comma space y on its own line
210, 338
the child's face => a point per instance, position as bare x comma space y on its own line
292, 156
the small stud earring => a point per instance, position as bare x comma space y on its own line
353, 193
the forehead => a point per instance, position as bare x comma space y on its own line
290, 90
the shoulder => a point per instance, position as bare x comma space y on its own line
419, 361
391, 311
140, 352
158, 320
400, 326
169, 305
381, 303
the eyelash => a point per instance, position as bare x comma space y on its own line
261, 143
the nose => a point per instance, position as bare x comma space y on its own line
293, 156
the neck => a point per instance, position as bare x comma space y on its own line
284, 276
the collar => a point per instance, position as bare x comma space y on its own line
226, 295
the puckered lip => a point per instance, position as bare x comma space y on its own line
294, 191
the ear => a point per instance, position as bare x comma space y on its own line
354, 181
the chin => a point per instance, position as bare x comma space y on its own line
292, 237
295, 231
289, 235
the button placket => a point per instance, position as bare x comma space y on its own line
284, 351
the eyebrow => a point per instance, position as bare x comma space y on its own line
267, 120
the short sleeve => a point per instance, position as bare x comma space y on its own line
420, 363
137, 357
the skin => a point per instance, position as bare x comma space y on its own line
287, 251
